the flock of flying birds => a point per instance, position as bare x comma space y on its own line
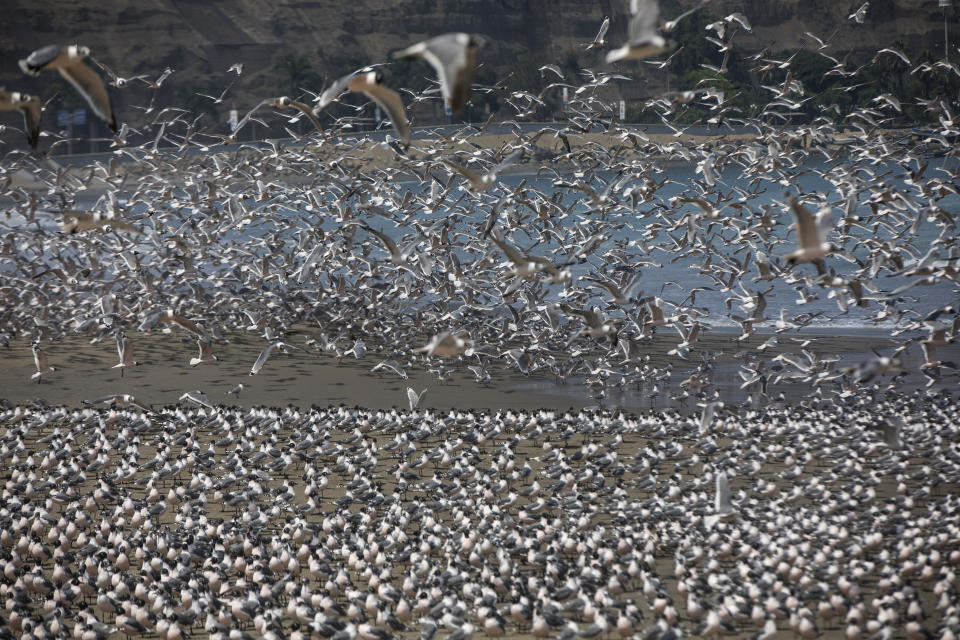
270, 238
838, 514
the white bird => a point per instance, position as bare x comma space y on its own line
265, 355
125, 351
723, 506
40, 359
706, 418
483, 182
197, 397
643, 38
810, 236
120, 397
369, 82
69, 61
30, 107
454, 57
447, 344
599, 41
860, 14
414, 398
283, 102
206, 352
236, 390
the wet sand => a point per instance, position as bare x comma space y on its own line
313, 378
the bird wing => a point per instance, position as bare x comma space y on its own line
32, 115
390, 101
88, 83
643, 21
103, 399
807, 235
387, 241
36, 61
262, 359
247, 116
603, 30
723, 502
452, 55
475, 180
512, 158
307, 111
413, 398
185, 323
39, 358
334, 91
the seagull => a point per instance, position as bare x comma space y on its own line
643, 39
483, 182
30, 107
283, 102
723, 507
599, 41
197, 397
169, 315
206, 352
447, 344
120, 397
40, 359
69, 61
76, 221
810, 235
125, 349
369, 82
265, 355
454, 57
414, 398
235, 391
860, 14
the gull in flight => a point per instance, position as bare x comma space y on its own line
599, 41
197, 397
120, 397
283, 102
40, 359
810, 236
369, 82
643, 39
448, 344
125, 350
170, 316
265, 355
454, 57
206, 352
483, 182
31, 109
723, 507
76, 221
414, 398
69, 61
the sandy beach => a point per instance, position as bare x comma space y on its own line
314, 378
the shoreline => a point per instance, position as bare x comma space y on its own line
313, 378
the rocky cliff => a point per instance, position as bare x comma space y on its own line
289, 45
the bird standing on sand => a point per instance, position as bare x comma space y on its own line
69, 61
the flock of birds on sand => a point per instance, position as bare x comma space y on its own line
836, 515
822, 520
